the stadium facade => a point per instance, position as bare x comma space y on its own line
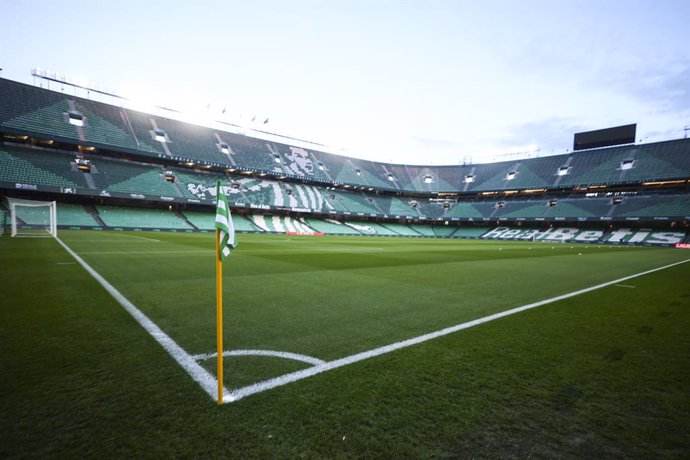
110, 167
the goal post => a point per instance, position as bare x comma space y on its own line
33, 218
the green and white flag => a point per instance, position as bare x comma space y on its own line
224, 224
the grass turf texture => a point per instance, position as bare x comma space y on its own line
605, 373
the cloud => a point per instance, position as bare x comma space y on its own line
550, 135
434, 144
662, 87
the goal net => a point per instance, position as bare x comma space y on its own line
4, 221
33, 218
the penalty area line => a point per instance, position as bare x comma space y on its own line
206, 381
259, 387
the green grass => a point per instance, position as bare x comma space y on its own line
602, 374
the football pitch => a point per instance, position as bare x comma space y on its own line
343, 347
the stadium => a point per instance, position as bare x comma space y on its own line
113, 168
118, 176
527, 307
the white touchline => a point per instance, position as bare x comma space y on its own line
200, 375
135, 253
330, 365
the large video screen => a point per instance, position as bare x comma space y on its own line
605, 137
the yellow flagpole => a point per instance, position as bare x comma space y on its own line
219, 316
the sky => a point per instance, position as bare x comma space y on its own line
408, 81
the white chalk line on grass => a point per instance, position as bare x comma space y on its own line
134, 236
200, 375
105, 253
259, 387
209, 383
275, 354
350, 249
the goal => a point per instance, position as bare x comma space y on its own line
33, 218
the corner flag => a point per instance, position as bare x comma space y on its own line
224, 224
225, 242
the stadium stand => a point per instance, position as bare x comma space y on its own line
30, 109
577, 208
281, 224
121, 217
129, 177
106, 125
331, 227
249, 152
354, 202
206, 221
394, 206
400, 229
43, 132
522, 209
74, 215
470, 232
190, 141
197, 185
427, 208
464, 210
371, 228
444, 231
39, 167
654, 206
424, 230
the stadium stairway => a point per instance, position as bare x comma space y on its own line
446, 232
184, 218
94, 213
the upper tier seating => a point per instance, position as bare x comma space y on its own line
43, 113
